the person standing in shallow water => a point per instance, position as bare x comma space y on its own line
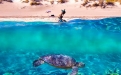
61, 16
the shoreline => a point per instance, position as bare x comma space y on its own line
24, 12
49, 19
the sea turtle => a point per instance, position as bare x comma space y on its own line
60, 61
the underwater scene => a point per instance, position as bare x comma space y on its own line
97, 43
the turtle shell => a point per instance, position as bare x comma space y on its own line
60, 61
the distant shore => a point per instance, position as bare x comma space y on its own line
24, 12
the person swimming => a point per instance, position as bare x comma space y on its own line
61, 16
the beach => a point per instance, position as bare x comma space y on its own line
16, 10
27, 33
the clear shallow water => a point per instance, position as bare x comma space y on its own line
95, 42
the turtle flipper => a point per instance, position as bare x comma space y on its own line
37, 62
74, 70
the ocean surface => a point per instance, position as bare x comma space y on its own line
97, 43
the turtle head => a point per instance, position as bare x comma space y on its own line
37, 62
79, 64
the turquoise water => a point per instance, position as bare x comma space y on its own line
97, 43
